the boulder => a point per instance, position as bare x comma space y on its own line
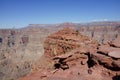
106, 49
66, 61
106, 62
115, 43
116, 63
115, 54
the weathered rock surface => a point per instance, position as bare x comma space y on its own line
19, 49
106, 61
65, 41
116, 42
109, 56
21, 52
115, 54
86, 61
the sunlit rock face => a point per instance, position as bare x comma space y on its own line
86, 59
66, 40
21, 49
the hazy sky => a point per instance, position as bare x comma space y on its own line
20, 13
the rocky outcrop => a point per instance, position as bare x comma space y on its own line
85, 59
115, 43
115, 54
108, 55
66, 52
65, 41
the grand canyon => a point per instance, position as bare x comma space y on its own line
65, 51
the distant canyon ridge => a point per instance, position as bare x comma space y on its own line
21, 49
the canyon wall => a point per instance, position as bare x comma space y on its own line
20, 49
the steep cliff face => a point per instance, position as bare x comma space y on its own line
102, 33
21, 50
11, 64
